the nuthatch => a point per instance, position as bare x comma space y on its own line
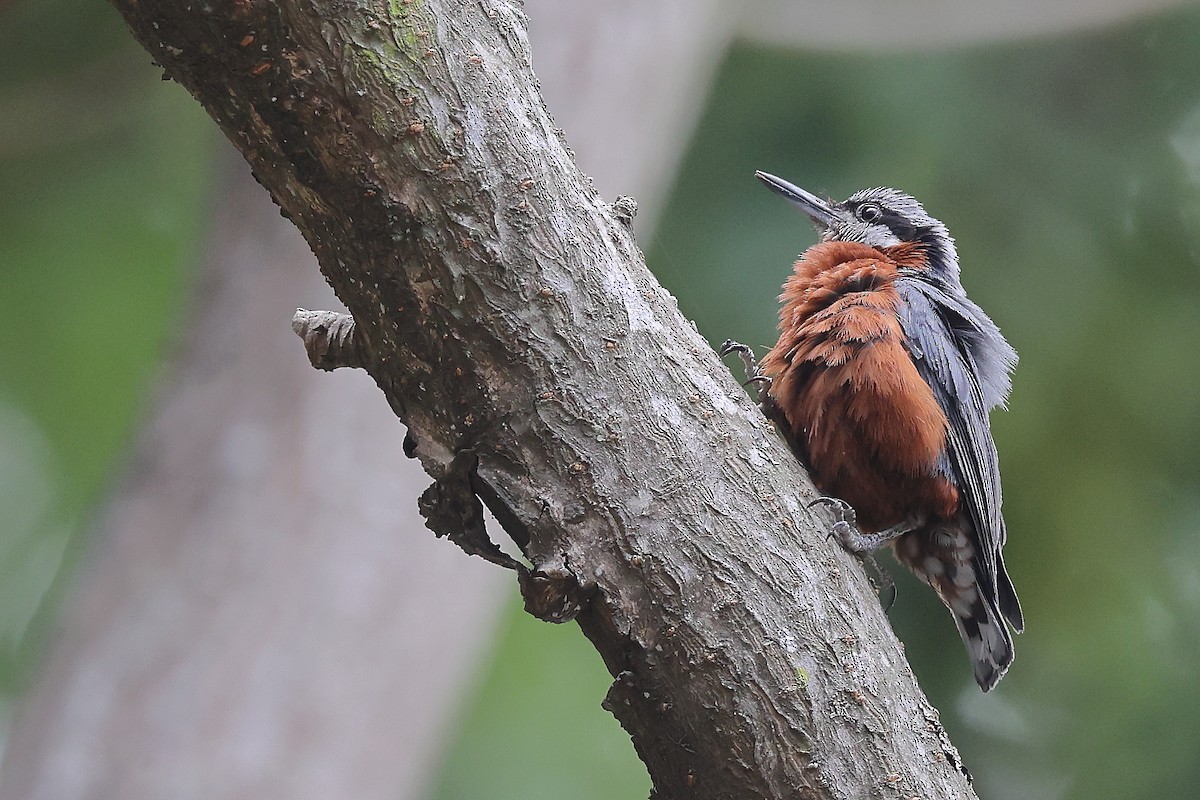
881, 381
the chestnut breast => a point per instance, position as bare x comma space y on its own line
871, 430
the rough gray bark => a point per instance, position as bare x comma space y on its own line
505, 312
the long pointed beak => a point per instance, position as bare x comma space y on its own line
817, 209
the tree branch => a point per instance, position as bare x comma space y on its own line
328, 339
506, 313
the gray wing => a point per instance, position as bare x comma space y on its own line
966, 361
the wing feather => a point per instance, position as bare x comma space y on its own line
961, 354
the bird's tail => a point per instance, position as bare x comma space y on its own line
988, 642
944, 557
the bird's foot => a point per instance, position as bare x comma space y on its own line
845, 528
753, 373
863, 545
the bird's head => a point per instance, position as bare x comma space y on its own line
876, 217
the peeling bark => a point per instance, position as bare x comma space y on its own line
504, 310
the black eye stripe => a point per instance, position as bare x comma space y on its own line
897, 222
905, 231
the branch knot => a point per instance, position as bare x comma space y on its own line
330, 339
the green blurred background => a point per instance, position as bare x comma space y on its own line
1068, 169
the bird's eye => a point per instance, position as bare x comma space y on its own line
869, 212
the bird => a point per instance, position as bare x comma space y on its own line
881, 382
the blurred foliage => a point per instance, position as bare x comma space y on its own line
101, 167
1069, 170
536, 729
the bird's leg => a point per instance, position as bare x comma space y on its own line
863, 545
845, 527
753, 374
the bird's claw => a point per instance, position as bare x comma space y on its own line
845, 523
881, 580
843, 509
730, 346
753, 374
886, 588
